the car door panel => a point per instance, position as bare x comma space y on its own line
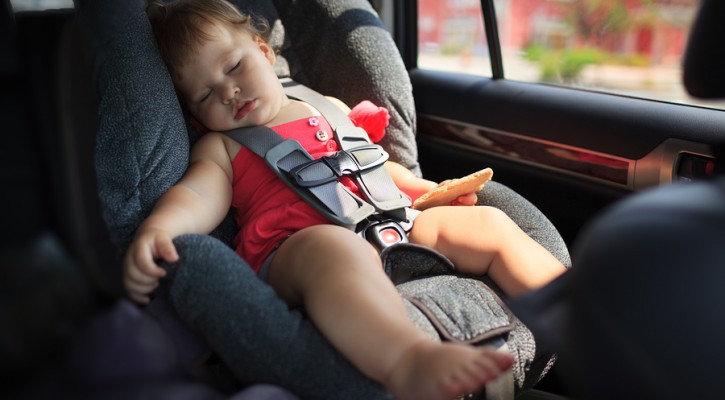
571, 152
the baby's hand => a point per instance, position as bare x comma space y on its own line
468, 199
460, 191
141, 274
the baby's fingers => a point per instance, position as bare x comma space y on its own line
160, 249
138, 297
166, 250
139, 292
146, 266
469, 199
138, 276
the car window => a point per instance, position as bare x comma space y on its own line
451, 36
629, 47
21, 5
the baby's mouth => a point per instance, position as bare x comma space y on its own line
244, 109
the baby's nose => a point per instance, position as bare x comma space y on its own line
231, 94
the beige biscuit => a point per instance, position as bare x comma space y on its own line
445, 194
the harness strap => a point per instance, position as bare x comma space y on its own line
348, 135
375, 183
383, 217
503, 387
330, 198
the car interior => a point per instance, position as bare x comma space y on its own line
569, 151
572, 152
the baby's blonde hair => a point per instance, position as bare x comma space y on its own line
179, 26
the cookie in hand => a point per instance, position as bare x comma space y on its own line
451, 190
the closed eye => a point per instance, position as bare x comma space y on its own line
205, 97
235, 67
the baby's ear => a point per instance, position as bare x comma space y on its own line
266, 49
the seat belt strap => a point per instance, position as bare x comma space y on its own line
502, 388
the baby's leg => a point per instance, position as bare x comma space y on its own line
483, 240
337, 277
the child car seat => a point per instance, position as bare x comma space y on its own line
142, 148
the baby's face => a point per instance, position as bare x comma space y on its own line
230, 83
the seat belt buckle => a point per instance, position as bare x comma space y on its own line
383, 234
327, 169
383, 231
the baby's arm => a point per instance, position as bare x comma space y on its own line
196, 204
407, 181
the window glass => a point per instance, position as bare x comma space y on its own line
451, 36
630, 47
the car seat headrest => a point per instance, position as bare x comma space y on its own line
705, 56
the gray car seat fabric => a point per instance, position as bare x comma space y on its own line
142, 149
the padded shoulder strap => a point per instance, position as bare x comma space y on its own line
376, 183
317, 180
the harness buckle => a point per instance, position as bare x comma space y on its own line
382, 234
343, 163
382, 231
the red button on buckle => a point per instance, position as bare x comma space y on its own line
390, 236
383, 234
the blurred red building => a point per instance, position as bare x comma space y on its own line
655, 29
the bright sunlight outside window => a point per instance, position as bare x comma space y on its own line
628, 47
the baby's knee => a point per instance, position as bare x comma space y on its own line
439, 223
495, 221
493, 215
461, 216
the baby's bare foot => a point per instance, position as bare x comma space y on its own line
431, 371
